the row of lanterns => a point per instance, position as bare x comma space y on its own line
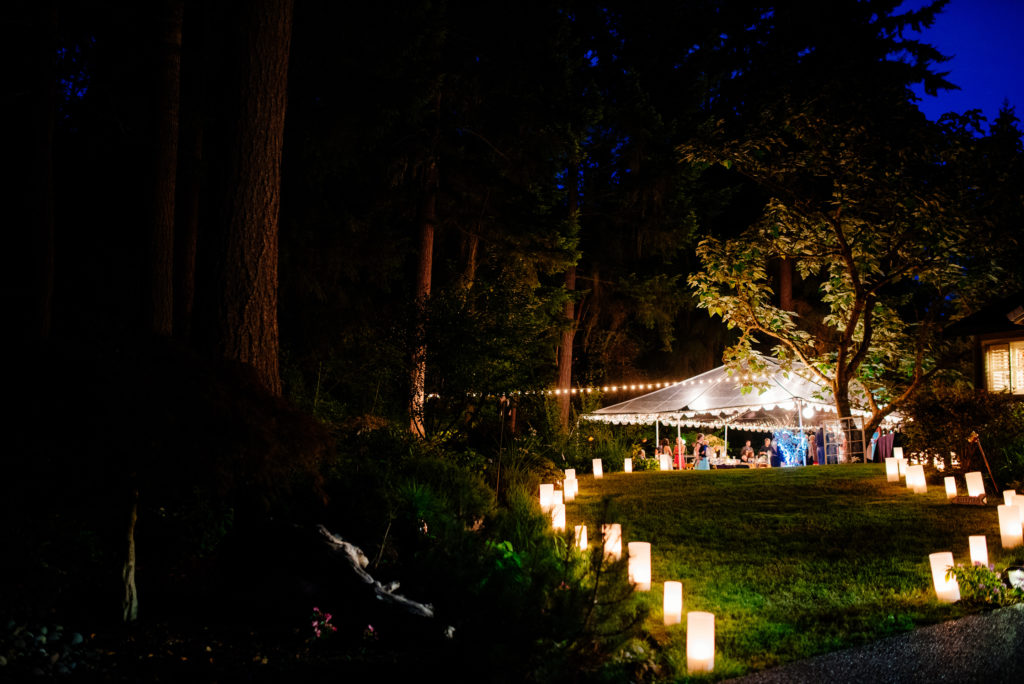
1011, 521
700, 625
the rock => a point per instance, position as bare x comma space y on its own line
43, 630
40, 640
76, 639
3, 661
61, 670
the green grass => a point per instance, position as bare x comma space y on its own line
793, 562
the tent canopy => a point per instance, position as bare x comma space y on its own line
775, 398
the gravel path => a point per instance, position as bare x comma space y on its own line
978, 648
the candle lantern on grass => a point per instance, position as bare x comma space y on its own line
700, 641
627, 464
947, 590
1008, 496
1010, 526
950, 486
672, 605
975, 486
570, 473
892, 470
915, 479
612, 534
640, 565
558, 517
581, 537
547, 495
598, 470
979, 549
569, 488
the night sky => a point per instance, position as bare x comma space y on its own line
984, 39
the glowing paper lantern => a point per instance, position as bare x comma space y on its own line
897, 452
975, 486
901, 466
598, 470
640, 565
1010, 527
612, 534
558, 517
570, 473
1008, 496
581, 537
672, 605
915, 479
979, 549
892, 470
627, 464
556, 498
700, 641
950, 486
547, 495
569, 489
946, 590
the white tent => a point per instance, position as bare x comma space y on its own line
771, 399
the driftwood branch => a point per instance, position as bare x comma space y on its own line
358, 561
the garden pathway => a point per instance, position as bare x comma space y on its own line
978, 648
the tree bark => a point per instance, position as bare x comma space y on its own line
247, 313
165, 158
786, 284
41, 210
130, 602
428, 219
565, 354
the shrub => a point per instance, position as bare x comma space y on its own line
943, 418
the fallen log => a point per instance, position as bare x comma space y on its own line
357, 560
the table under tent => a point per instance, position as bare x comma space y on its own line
788, 403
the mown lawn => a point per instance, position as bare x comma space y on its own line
793, 562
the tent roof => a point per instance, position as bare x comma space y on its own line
717, 397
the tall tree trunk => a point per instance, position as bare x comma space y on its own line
41, 192
190, 166
786, 284
569, 333
247, 312
161, 246
428, 219
854, 437
130, 602
565, 355
186, 231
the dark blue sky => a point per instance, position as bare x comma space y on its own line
986, 42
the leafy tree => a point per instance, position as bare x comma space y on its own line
869, 205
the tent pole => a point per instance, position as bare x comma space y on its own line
726, 447
657, 438
800, 421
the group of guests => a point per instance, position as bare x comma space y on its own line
679, 455
769, 453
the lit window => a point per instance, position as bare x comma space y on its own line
1004, 367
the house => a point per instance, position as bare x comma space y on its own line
998, 332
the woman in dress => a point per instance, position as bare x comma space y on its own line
680, 453
701, 452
